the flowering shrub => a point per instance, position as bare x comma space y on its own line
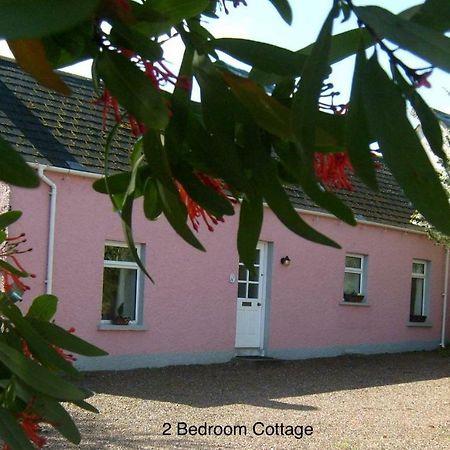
34, 358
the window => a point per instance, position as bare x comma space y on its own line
417, 311
248, 283
354, 278
122, 281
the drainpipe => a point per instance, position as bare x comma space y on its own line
51, 229
445, 296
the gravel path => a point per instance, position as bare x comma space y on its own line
397, 401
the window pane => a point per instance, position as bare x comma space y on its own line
242, 290
252, 291
119, 288
354, 262
417, 296
117, 253
242, 273
255, 275
419, 268
352, 283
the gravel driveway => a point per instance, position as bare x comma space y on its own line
399, 401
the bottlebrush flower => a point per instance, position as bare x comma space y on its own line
195, 211
157, 73
332, 169
11, 281
30, 424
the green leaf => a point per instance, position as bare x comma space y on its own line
152, 203
284, 10
357, 131
36, 18
174, 210
401, 148
9, 218
133, 90
86, 406
58, 417
174, 11
9, 268
268, 184
304, 107
223, 163
125, 37
13, 168
72, 46
12, 433
44, 352
422, 41
126, 213
265, 57
160, 16
265, 110
176, 214
62, 338
250, 223
43, 307
430, 123
176, 132
117, 183
205, 196
217, 102
344, 44
433, 14
39, 377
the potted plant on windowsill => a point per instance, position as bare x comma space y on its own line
120, 319
353, 297
417, 318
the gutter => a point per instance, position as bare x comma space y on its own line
51, 230
445, 298
79, 173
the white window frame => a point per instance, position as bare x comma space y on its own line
421, 276
127, 265
360, 271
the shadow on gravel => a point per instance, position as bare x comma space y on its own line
260, 383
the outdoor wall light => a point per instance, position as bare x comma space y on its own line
285, 260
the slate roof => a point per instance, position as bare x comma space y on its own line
51, 129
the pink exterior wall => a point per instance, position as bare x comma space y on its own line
192, 306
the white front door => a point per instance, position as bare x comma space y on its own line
251, 303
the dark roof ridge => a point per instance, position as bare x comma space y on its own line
60, 72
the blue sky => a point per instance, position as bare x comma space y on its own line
259, 21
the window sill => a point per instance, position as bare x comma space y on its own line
130, 327
419, 324
344, 303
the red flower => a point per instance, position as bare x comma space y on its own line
332, 170
195, 211
11, 282
157, 73
30, 425
422, 80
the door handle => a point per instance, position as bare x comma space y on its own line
259, 304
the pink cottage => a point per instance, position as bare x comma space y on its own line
384, 291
